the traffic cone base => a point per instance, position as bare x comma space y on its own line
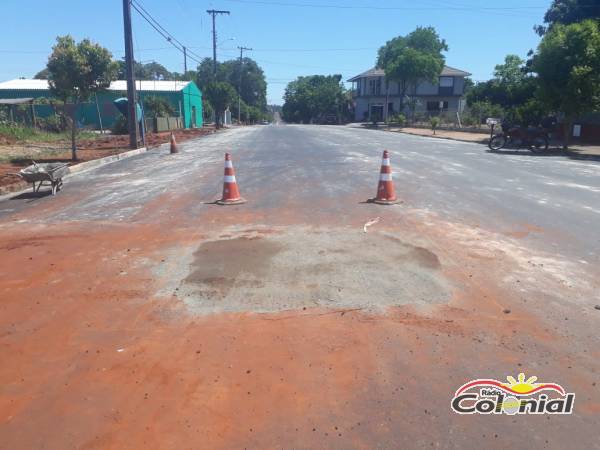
239, 201
384, 202
231, 193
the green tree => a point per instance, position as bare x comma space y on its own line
148, 71
413, 58
41, 75
254, 86
512, 71
309, 98
569, 11
253, 89
76, 71
221, 95
157, 107
510, 90
568, 66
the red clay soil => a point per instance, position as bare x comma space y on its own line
93, 359
90, 149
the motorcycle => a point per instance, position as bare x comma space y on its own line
534, 138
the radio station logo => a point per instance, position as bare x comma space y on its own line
520, 396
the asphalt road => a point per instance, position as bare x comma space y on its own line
505, 191
135, 312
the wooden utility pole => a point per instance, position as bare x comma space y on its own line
184, 60
240, 85
213, 13
129, 66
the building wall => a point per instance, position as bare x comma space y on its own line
363, 105
183, 101
192, 100
425, 92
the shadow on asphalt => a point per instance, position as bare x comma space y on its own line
551, 152
32, 195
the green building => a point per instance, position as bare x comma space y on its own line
184, 97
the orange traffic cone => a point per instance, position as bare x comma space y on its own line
174, 148
231, 193
386, 194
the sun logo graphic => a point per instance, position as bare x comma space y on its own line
517, 396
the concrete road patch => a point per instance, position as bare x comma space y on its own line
307, 268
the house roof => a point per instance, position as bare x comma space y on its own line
15, 101
447, 71
118, 85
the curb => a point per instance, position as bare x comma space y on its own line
20, 187
88, 165
570, 153
482, 141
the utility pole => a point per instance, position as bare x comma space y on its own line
184, 60
129, 65
213, 13
240, 87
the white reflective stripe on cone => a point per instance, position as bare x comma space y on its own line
385, 162
385, 177
229, 179
228, 164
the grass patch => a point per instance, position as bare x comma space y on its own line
19, 134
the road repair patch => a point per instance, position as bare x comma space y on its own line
307, 268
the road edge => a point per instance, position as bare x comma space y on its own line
482, 141
82, 167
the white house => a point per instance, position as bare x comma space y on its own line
376, 100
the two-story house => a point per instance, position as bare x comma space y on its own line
376, 100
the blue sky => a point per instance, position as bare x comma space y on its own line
289, 37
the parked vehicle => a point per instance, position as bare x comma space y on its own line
534, 138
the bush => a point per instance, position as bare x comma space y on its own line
434, 121
120, 126
469, 120
399, 118
481, 110
53, 124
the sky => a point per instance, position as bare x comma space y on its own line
289, 38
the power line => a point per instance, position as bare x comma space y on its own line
171, 37
164, 33
389, 8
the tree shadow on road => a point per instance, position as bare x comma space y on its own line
32, 195
570, 154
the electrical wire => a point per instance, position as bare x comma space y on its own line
135, 4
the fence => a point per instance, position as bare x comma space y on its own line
160, 124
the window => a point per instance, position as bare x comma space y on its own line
446, 86
375, 86
435, 106
446, 81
